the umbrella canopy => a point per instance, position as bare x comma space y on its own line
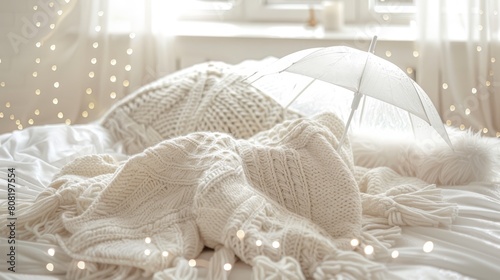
365, 74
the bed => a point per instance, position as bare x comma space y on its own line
394, 208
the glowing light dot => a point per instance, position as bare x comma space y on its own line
88, 91
12, 117
112, 78
31, 121
385, 17
388, 53
18, 122
60, 115
485, 130
409, 70
54, 67
147, 252
38, 44
100, 13
227, 266
478, 48
7, 104
452, 108
467, 111
113, 61
98, 28
474, 90
20, 127
67, 122
164, 253
81, 265
37, 112
128, 67
428, 246
2, 84
93, 60
448, 122
487, 83
112, 95
240, 234
126, 83
462, 127
53, 47
50, 267
445, 85
416, 54
1, 115
147, 240
129, 51
493, 60
395, 254
354, 242
91, 74
51, 252
95, 45
52, 26
56, 84
91, 105
192, 262
51, 4
85, 114
35, 7
37, 60
55, 101
368, 249
132, 35
276, 244
38, 24
60, 12
35, 74
258, 242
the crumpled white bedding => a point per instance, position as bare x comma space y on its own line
470, 249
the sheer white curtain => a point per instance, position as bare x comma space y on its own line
68, 61
459, 46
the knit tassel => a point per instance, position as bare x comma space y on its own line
220, 258
102, 271
407, 206
287, 268
381, 237
349, 265
182, 270
41, 219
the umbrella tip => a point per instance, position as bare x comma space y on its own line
373, 44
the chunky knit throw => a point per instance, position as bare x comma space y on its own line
205, 97
284, 201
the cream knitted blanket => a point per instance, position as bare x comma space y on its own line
284, 201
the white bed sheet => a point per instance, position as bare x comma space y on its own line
470, 249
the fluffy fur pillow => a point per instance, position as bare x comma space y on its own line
473, 157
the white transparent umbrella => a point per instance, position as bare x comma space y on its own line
364, 74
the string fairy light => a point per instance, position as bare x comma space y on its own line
81, 265
50, 267
428, 246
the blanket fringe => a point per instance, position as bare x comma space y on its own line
408, 206
220, 258
102, 271
349, 265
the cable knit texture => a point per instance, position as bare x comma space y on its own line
205, 97
284, 201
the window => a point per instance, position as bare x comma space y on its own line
393, 6
355, 11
